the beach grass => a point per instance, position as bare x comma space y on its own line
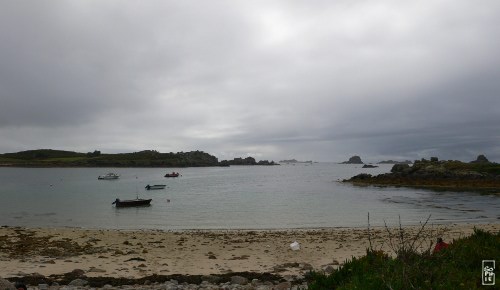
456, 267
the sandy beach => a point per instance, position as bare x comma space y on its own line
135, 254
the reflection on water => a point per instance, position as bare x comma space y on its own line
248, 197
456, 206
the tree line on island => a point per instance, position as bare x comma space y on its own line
145, 158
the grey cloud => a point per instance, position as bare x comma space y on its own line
276, 79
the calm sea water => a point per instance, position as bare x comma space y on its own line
236, 197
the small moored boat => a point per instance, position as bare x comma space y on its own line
109, 176
156, 186
173, 174
132, 202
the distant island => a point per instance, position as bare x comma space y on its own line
245, 161
478, 175
145, 158
294, 161
395, 162
357, 160
353, 160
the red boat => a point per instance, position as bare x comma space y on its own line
173, 174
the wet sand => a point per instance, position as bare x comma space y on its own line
135, 254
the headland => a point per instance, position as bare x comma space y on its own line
478, 176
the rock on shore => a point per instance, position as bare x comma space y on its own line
207, 283
6, 285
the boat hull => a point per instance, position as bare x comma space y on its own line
132, 202
156, 186
109, 176
172, 175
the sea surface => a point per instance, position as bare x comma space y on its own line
236, 197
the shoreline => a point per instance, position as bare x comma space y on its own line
392, 224
135, 254
451, 186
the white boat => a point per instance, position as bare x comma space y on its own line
156, 186
109, 176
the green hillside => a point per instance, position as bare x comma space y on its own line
146, 158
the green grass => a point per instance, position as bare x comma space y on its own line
489, 168
457, 267
6, 160
65, 159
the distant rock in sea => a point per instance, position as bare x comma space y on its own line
353, 160
369, 166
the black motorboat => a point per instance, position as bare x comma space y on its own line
132, 202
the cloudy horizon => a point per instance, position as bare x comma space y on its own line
274, 80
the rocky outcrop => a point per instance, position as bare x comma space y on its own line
353, 160
245, 161
266, 162
400, 168
437, 174
481, 159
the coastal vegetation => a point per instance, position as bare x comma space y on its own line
145, 158
456, 267
479, 175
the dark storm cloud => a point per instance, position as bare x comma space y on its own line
274, 79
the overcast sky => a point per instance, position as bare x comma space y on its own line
310, 80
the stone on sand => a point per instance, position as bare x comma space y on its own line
5, 284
